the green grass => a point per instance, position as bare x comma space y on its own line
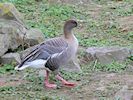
49, 17
6, 68
113, 67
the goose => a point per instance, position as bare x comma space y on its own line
52, 54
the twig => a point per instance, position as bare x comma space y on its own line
94, 64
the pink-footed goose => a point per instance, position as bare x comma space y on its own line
52, 54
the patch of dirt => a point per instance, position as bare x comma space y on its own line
11, 81
4, 84
101, 85
126, 23
94, 86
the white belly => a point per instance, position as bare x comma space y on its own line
39, 63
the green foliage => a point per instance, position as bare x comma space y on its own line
8, 88
101, 31
47, 17
93, 42
112, 67
131, 57
50, 17
6, 68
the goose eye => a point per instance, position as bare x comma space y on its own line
74, 23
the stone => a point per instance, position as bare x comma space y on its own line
106, 55
104, 58
11, 23
34, 36
125, 93
9, 12
10, 57
13, 35
4, 43
19, 35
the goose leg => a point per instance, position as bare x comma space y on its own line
64, 82
46, 82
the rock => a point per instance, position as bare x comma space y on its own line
104, 58
10, 57
11, 22
124, 94
4, 43
34, 36
16, 32
9, 12
13, 36
107, 55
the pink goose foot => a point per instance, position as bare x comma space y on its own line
66, 83
50, 86
47, 84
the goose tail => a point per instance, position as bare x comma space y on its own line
21, 68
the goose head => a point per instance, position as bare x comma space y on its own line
68, 26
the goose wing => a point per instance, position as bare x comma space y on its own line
59, 59
46, 49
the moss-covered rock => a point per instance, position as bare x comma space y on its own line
9, 12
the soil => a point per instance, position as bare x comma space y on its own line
94, 86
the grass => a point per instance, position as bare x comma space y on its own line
6, 68
101, 31
50, 19
47, 17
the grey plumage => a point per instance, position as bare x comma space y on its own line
55, 52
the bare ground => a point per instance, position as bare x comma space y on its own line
93, 86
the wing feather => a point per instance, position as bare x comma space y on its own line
46, 49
